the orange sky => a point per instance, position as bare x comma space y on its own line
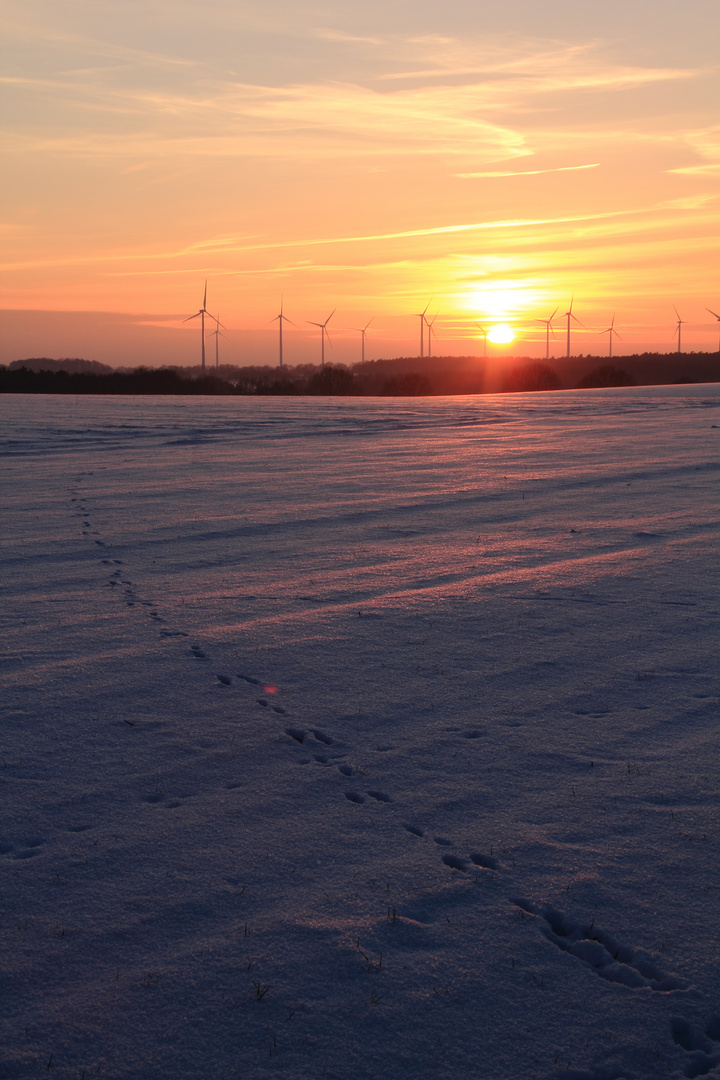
489, 161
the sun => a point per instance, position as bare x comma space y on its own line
501, 334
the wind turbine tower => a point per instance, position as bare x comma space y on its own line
430, 333
280, 319
323, 332
678, 330
569, 315
202, 313
216, 334
613, 333
484, 333
718, 319
548, 329
421, 316
362, 333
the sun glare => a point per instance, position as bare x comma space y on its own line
501, 334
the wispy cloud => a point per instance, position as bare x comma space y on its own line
706, 144
474, 101
525, 172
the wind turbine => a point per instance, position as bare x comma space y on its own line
323, 332
548, 329
362, 332
613, 333
280, 319
421, 316
431, 333
678, 330
202, 313
216, 334
569, 315
484, 333
718, 319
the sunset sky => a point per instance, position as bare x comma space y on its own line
490, 159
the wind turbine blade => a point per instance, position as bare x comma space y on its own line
205, 295
321, 325
329, 316
192, 316
553, 315
677, 313
713, 313
368, 323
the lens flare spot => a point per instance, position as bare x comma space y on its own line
502, 334
270, 689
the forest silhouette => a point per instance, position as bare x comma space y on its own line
399, 377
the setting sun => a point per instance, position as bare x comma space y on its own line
501, 334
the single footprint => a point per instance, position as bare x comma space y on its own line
322, 737
346, 770
295, 733
488, 862
379, 796
354, 796
456, 863
224, 679
414, 830
443, 841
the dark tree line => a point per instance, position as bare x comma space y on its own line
402, 376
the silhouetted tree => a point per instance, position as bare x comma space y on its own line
531, 377
410, 385
607, 375
331, 380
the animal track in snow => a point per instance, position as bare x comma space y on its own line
160, 799
456, 863
703, 1047
461, 862
601, 951
414, 830
379, 796
354, 797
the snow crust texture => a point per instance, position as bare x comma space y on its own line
360, 739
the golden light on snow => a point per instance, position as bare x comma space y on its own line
502, 334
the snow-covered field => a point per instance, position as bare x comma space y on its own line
361, 739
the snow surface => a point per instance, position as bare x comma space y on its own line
361, 739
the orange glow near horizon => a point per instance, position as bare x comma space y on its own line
352, 162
